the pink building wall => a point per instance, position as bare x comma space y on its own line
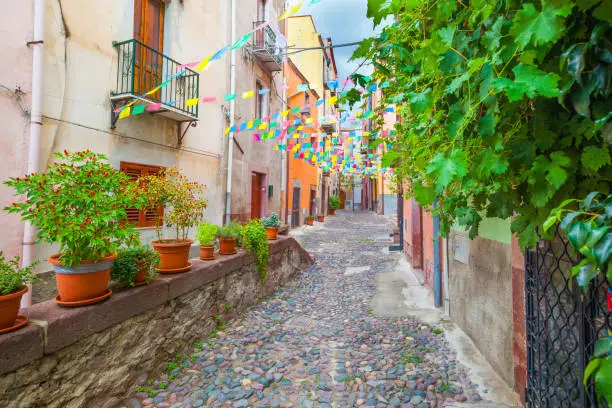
15, 75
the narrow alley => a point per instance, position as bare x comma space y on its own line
338, 335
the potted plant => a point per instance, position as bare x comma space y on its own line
206, 234
310, 220
271, 224
13, 281
79, 203
321, 218
334, 204
135, 266
228, 235
255, 239
184, 206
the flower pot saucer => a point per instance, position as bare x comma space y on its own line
19, 322
231, 253
208, 259
177, 270
77, 303
140, 283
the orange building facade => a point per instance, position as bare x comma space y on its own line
302, 174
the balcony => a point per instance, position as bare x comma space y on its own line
267, 47
141, 68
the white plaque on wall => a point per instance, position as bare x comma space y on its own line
462, 249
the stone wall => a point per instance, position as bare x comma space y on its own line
84, 357
480, 289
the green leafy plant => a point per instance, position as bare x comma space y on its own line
334, 202
131, 261
504, 105
272, 221
233, 230
310, 217
207, 233
12, 277
79, 202
182, 199
256, 243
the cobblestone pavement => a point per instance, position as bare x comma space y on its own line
318, 342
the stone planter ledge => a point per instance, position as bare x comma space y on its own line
53, 328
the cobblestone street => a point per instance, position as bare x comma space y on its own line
323, 340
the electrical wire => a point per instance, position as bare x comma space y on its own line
17, 94
189, 150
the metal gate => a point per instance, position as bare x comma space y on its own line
563, 324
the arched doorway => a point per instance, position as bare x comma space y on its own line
342, 199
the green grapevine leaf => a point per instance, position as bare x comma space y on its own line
529, 81
538, 27
594, 158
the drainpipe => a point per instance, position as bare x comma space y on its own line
437, 272
230, 141
445, 279
284, 158
29, 233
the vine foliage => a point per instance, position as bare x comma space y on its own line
503, 105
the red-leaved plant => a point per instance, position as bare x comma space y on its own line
79, 203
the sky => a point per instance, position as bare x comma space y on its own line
344, 21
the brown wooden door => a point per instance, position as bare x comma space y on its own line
146, 217
342, 200
295, 207
256, 192
313, 201
148, 29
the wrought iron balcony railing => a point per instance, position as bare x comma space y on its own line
141, 68
266, 47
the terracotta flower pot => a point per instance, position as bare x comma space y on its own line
207, 253
173, 256
332, 211
227, 246
272, 233
310, 221
141, 276
321, 218
9, 307
82, 284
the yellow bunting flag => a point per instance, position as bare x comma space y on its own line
285, 113
125, 113
332, 100
204, 63
250, 125
248, 94
309, 121
227, 130
263, 126
192, 102
290, 12
300, 127
152, 91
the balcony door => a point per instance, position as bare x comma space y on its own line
149, 30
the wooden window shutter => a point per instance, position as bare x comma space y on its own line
145, 217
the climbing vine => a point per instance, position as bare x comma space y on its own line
504, 105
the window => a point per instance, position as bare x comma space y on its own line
145, 217
307, 99
261, 110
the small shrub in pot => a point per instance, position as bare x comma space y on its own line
229, 236
271, 224
13, 280
206, 235
135, 266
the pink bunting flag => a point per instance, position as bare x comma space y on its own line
266, 119
256, 137
188, 65
209, 99
263, 25
283, 87
347, 81
153, 107
317, 124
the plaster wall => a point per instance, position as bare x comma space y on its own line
481, 298
16, 29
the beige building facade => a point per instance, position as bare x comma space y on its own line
97, 55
